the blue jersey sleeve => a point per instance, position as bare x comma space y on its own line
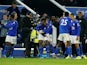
9, 25
12, 28
38, 27
49, 29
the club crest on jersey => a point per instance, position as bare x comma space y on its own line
45, 28
73, 24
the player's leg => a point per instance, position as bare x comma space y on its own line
40, 38
51, 45
60, 39
67, 43
47, 46
40, 48
57, 48
68, 49
77, 42
9, 46
10, 41
9, 50
5, 50
78, 51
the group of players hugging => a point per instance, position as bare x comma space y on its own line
69, 33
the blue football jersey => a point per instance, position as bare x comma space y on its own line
64, 25
75, 28
42, 27
49, 29
12, 28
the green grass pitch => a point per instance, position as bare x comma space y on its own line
38, 61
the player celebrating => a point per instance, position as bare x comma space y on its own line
11, 37
75, 34
42, 28
64, 33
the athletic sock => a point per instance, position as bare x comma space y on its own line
41, 51
5, 50
78, 51
57, 50
69, 51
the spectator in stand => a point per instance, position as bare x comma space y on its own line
81, 3
6, 2
14, 8
3, 33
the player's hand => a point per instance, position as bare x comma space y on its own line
77, 38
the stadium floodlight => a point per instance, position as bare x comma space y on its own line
28, 8
59, 6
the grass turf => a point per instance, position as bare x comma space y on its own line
38, 61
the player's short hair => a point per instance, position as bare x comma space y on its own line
13, 14
66, 14
43, 19
14, 2
80, 12
72, 14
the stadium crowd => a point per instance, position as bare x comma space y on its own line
73, 2
62, 2
18, 27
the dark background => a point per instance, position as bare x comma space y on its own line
44, 6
